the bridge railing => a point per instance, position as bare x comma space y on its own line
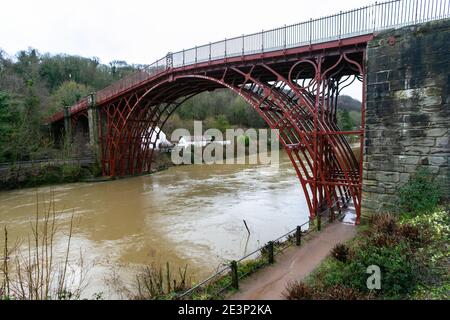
132, 80
360, 21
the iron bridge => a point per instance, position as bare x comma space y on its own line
292, 76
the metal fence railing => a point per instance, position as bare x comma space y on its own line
232, 273
360, 21
345, 24
45, 162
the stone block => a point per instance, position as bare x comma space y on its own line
442, 142
408, 112
437, 132
409, 159
410, 169
404, 177
384, 176
382, 76
437, 161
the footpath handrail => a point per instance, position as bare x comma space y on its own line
6, 165
271, 247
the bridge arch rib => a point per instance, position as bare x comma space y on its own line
299, 99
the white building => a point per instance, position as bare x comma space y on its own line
198, 141
157, 137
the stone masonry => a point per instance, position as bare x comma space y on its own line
407, 110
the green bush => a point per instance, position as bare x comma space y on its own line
301, 291
420, 194
244, 139
398, 268
411, 252
30, 177
340, 252
95, 170
70, 172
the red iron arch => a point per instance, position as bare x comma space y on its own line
304, 115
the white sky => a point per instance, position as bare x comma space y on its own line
139, 31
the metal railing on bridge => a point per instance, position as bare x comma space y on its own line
346, 24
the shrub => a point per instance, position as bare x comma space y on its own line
71, 173
47, 175
420, 194
340, 252
340, 292
409, 253
398, 269
410, 232
383, 231
384, 223
34, 269
298, 290
156, 282
95, 169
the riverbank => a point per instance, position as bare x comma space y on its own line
186, 215
52, 172
47, 173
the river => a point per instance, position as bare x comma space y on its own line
184, 215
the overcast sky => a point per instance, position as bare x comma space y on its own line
139, 31
142, 31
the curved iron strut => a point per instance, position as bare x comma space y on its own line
296, 97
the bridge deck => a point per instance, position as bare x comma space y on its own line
334, 31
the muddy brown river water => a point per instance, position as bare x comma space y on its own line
185, 215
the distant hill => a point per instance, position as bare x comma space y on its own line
348, 103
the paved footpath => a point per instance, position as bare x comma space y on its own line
294, 264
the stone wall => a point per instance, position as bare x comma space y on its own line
407, 110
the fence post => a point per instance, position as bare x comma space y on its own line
210, 51
374, 8
262, 41
417, 12
234, 275
310, 31
270, 250
298, 236
319, 222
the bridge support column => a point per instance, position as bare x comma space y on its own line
93, 122
408, 113
67, 123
